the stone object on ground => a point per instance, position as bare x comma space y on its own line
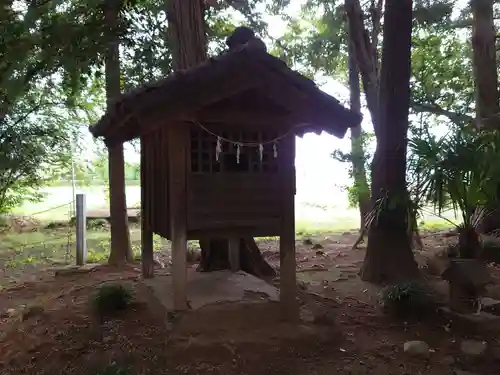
490, 305
23, 312
72, 269
473, 348
417, 348
209, 288
462, 372
448, 360
484, 319
435, 264
467, 279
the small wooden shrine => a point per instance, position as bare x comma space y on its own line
218, 152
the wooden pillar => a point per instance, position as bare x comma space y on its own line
121, 251
147, 261
177, 169
234, 253
288, 276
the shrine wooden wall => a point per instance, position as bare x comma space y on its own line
154, 182
223, 196
229, 195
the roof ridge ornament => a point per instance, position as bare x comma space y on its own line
243, 36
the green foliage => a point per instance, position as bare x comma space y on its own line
26, 147
427, 13
97, 224
407, 299
46, 51
316, 41
110, 299
459, 170
442, 83
357, 188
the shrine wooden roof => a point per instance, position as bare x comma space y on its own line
248, 74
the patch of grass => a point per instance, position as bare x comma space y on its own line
407, 299
310, 229
432, 225
111, 298
55, 246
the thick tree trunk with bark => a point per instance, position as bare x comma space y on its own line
187, 36
121, 250
364, 48
486, 81
389, 256
215, 257
186, 32
357, 151
485, 63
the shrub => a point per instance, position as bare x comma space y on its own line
110, 299
407, 299
97, 224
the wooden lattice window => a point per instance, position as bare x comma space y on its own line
203, 152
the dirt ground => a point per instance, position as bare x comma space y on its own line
342, 332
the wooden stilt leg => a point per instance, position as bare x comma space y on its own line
147, 260
179, 268
177, 157
234, 253
288, 276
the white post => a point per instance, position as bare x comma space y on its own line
81, 229
73, 179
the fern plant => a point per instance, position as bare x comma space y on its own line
460, 171
407, 299
110, 299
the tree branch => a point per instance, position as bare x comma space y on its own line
435, 109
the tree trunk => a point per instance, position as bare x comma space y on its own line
214, 257
365, 51
357, 151
486, 81
186, 32
389, 256
121, 250
468, 243
484, 63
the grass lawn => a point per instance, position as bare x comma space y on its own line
21, 251
326, 213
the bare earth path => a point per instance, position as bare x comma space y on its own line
343, 330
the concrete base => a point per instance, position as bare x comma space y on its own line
73, 269
208, 288
481, 318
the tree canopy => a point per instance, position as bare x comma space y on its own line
52, 83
